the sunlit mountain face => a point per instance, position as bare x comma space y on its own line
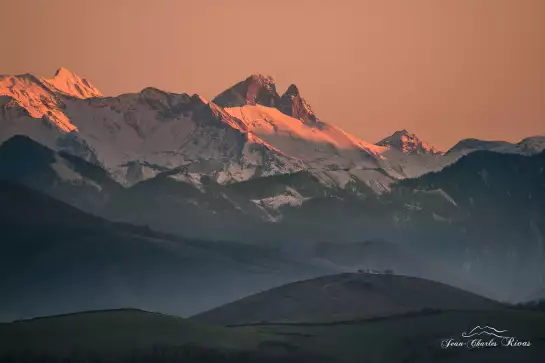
178, 204
247, 131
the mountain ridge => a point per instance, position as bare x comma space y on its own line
136, 128
247, 131
408, 143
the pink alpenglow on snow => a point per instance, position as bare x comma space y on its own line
71, 84
408, 143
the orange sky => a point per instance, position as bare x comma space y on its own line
445, 70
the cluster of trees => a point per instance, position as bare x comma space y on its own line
371, 271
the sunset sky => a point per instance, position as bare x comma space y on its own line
443, 69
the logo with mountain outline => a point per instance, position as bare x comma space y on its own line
484, 337
487, 330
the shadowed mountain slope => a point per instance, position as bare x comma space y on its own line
55, 259
344, 297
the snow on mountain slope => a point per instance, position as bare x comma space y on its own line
298, 139
124, 128
468, 145
531, 145
528, 146
36, 98
408, 143
335, 157
168, 131
289, 124
247, 131
272, 205
40, 96
71, 84
377, 180
409, 155
413, 165
136, 136
251, 133
16, 119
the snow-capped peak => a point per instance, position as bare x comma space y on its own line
532, 145
38, 96
71, 84
292, 104
259, 89
528, 146
65, 73
408, 143
256, 89
468, 145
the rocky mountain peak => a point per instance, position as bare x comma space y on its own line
67, 82
256, 89
292, 104
408, 143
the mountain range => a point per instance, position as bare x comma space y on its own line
247, 131
260, 167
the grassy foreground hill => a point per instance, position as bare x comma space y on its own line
137, 336
417, 337
130, 335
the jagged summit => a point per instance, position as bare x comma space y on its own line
199, 99
256, 89
292, 104
64, 72
407, 143
292, 90
64, 82
261, 78
259, 89
67, 82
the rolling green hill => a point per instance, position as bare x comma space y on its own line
138, 336
345, 296
417, 337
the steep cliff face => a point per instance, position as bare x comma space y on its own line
408, 143
257, 89
294, 105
